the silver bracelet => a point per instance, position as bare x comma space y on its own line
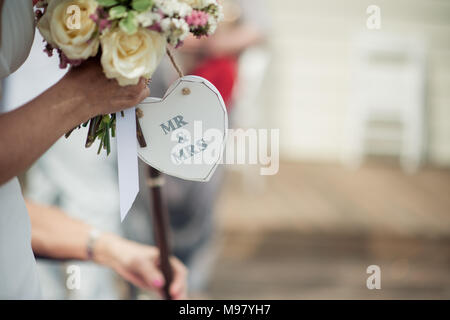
94, 234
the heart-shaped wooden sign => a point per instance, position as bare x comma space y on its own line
186, 130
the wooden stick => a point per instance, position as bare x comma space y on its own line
161, 227
160, 215
139, 134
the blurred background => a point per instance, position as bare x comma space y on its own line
359, 91
364, 118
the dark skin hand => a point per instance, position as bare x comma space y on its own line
27, 132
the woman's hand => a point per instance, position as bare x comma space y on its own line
58, 236
99, 94
138, 264
83, 93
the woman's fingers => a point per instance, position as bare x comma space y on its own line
155, 277
131, 96
140, 265
143, 94
136, 280
152, 276
102, 95
178, 286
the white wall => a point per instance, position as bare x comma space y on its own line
307, 90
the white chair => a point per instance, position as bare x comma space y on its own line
388, 86
247, 113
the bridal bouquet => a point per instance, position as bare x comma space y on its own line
129, 35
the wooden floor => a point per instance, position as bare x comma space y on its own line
313, 230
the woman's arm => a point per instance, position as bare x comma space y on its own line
56, 235
230, 40
83, 93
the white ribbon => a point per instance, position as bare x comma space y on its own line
127, 160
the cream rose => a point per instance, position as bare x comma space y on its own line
128, 57
57, 28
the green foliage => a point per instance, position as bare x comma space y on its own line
125, 12
108, 3
141, 5
129, 24
117, 12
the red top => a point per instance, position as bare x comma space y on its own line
221, 72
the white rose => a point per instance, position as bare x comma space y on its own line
76, 43
127, 58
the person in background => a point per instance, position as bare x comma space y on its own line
191, 204
74, 179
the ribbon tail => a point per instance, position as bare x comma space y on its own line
127, 160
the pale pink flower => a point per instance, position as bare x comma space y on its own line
197, 19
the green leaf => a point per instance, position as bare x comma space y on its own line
141, 5
129, 24
113, 125
106, 143
107, 3
100, 147
117, 12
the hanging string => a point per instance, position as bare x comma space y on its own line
174, 63
140, 113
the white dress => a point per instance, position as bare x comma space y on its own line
18, 273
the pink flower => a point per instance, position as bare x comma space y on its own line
104, 24
179, 44
38, 14
48, 50
197, 19
94, 17
100, 17
64, 61
155, 27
